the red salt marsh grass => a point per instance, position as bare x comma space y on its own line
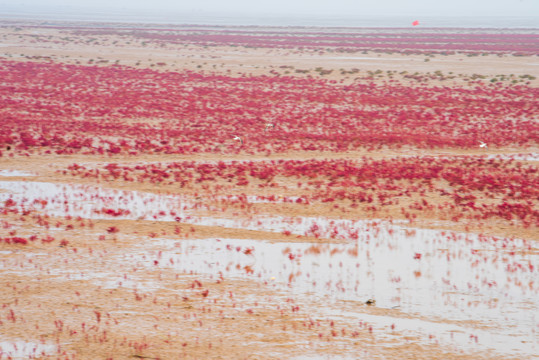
105, 110
459, 187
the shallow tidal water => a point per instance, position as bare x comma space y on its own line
465, 291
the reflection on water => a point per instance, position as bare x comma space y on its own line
8, 173
521, 157
24, 350
100, 203
92, 202
426, 274
455, 287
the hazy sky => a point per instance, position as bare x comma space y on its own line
308, 7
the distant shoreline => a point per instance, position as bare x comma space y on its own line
209, 19
163, 26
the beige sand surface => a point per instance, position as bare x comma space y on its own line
62, 45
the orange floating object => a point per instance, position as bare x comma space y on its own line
415, 23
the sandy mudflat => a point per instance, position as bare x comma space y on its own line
72, 46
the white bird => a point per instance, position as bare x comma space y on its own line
236, 137
268, 125
483, 145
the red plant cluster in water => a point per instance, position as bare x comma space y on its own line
477, 187
400, 40
18, 240
14, 240
113, 212
105, 110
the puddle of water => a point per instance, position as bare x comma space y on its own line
93, 202
9, 173
439, 277
24, 350
254, 199
522, 157
99, 203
